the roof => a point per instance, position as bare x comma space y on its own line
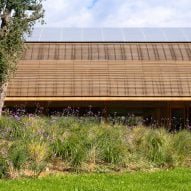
77, 71
108, 51
110, 35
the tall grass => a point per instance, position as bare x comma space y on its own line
181, 146
39, 143
155, 146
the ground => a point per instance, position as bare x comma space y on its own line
164, 180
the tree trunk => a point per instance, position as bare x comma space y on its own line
3, 92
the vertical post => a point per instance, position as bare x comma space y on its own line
158, 116
189, 117
186, 117
105, 112
169, 120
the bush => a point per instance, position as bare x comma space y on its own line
72, 150
34, 128
112, 146
181, 144
32, 143
9, 128
38, 151
3, 167
17, 155
154, 144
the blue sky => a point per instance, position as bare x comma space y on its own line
118, 13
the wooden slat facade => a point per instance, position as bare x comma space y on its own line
101, 78
118, 75
109, 51
103, 70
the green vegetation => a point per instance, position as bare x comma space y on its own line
176, 180
17, 18
32, 146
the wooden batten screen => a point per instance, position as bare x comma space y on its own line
108, 51
103, 70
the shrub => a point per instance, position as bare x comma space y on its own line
17, 155
3, 167
33, 142
72, 150
9, 128
181, 144
34, 128
112, 146
37, 151
154, 145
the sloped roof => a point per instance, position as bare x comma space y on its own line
120, 70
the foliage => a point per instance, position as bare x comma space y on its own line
71, 150
18, 155
17, 18
3, 167
113, 148
36, 143
155, 146
182, 147
37, 151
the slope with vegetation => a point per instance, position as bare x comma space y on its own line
33, 146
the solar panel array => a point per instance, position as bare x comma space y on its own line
110, 35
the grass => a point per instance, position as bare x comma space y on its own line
107, 157
29, 145
171, 180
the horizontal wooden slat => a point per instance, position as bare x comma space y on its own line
98, 99
108, 51
76, 78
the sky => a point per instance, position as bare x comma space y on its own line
117, 13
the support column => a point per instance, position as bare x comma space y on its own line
105, 111
169, 116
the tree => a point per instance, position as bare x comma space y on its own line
17, 18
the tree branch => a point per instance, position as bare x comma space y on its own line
5, 18
34, 7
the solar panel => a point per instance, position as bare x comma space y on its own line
174, 34
92, 34
110, 35
187, 33
50, 34
154, 34
133, 34
71, 34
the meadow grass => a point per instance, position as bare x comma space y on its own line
172, 180
30, 145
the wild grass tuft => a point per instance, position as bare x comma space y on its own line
112, 146
181, 146
17, 155
155, 146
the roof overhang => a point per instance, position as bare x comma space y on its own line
57, 99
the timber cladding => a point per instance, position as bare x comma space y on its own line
108, 51
103, 70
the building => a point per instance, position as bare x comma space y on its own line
145, 71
